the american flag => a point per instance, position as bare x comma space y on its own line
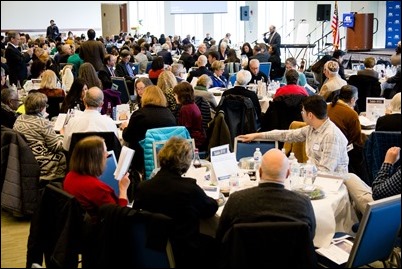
335, 27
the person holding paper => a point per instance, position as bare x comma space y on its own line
268, 199
326, 145
180, 198
87, 163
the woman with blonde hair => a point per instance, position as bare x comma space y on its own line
218, 80
153, 113
166, 82
204, 82
56, 95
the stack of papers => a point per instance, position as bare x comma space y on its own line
126, 155
366, 123
338, 251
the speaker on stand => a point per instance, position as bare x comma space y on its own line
323, 15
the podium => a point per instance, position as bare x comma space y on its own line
360, 37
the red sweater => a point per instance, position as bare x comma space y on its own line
291, 89
91, 192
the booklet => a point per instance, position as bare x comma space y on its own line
224, 162
126, 155
338, 251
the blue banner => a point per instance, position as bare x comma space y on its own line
349, 20
393, 24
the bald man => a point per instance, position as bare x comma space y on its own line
91, 120
269, 198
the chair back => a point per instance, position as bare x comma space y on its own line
111, 141
242, 150
299, 148
149, 66
282, 244
159, 134
122, 88
266, 68
134, 238
281, 111
55, 230
231, 68
232, 78
375, 149
377, 232
367, 87
240, 115
54, 103
20, 173
205, 109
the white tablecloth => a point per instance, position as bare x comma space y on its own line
333, 214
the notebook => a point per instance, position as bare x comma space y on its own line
108, 174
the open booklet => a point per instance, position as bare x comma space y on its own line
126, 156
339, 249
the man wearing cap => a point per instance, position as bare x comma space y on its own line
52, 31
338, 57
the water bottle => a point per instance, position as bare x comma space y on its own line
196, 159
257, 162
294, 178
310, 173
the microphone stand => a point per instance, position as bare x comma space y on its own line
294, 28
309, 35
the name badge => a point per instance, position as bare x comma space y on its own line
349, 147
316, 146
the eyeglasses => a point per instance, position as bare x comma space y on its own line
140, 89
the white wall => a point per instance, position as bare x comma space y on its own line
78, 16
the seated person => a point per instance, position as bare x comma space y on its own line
256, 74
218, 79
291, 64
391, 121
368, 70
190, 114
386, 183
201, 70
269, 197
9, 105
334, 81
91, 120
180, 198
153, 102
87, 163
242, 79
46, 145
292, 78
201, 89
325, 143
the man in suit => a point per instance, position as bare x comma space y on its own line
107, 71
16, 60
165, 53
270, 196
125, 69
274, 37
93, 51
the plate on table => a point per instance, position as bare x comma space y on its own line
313, 192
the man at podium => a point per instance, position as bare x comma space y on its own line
274, 37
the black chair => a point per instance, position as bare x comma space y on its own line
282, 244
367, 87
240, 115
54, 106
122, 88
134, 238
205, 109
111, 140
56, 230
